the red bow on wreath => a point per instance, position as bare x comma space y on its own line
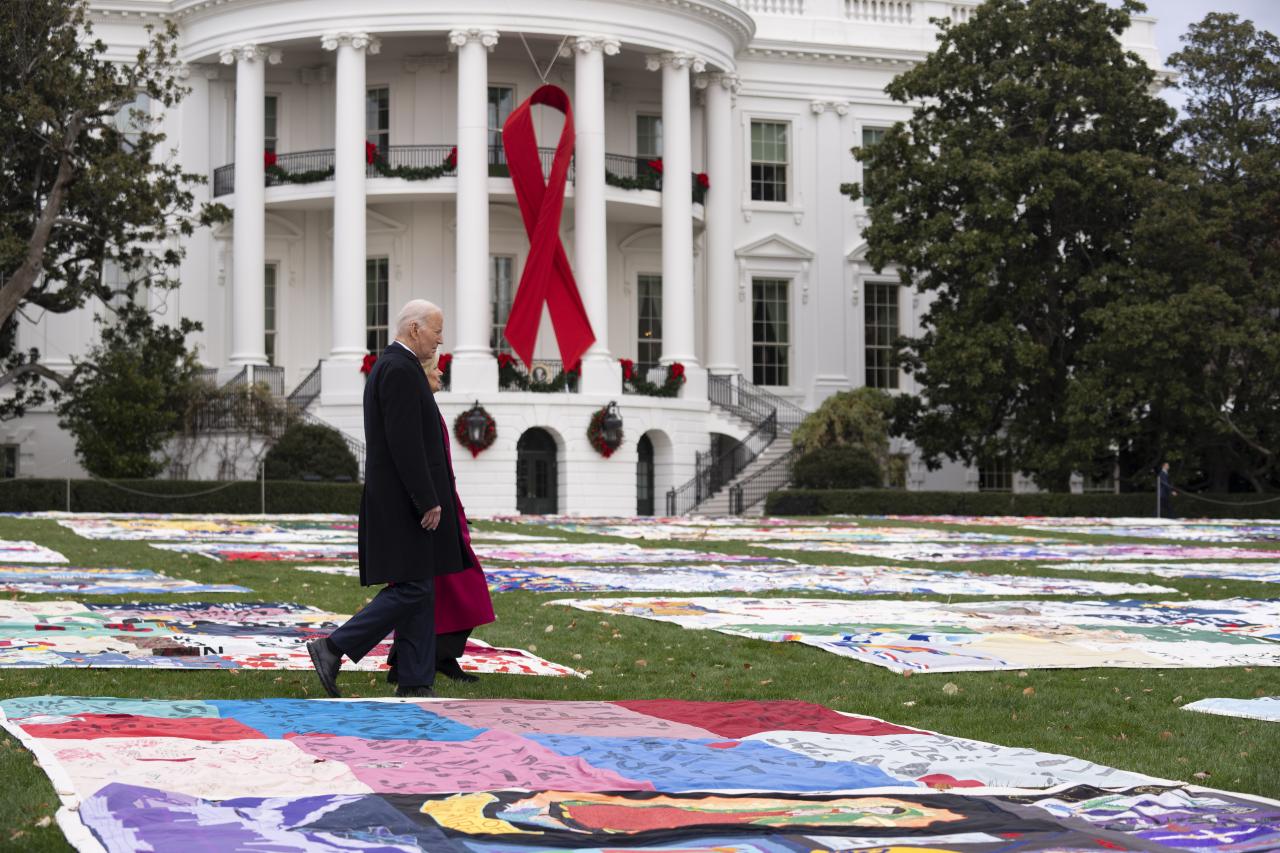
628, 368
445, 361
452, 160
703, 180
367, 365
547, 276
268, 159
370, 153
656, 165
675, 370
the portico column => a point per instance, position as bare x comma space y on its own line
474, 367
600, 374
348, 320
722, 315
248, 298
678, 304
831, 150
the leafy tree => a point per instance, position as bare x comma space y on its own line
1011, 197
1191, 353
846, 467
84, 188
857, 418
311, 450
127, 397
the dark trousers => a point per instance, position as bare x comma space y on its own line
408, 609
1166, 506
451, 645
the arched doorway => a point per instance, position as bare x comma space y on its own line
536, 485
644, 476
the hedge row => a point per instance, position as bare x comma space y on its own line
177, 496
897, 502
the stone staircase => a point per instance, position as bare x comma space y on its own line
719, 503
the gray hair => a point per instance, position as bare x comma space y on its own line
415, 311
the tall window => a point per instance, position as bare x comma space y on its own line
995, 474
375, 301
269, 312
377, 118
270, 122
649, 333
769, 160
871, 137
502, 291
133, 119
502, 100
881, 312
9, 462
770, 331
648, 137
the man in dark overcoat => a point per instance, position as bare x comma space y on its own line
1165, 493
408, 521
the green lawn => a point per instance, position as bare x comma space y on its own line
1127, 718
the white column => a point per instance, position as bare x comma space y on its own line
347, 320
600, 373
722, 325
474, 368
248, 300
678, 304
831, 150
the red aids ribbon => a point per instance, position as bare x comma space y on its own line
547, 276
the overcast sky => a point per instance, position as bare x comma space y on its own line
1175, 16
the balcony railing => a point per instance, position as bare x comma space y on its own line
304, 167
547, 376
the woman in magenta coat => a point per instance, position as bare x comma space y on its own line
462, 598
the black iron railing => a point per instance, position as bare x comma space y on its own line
546, 376
307, 391
752, 403
317, 165
713, 472
752, 489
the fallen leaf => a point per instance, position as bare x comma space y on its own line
1029, 691
1202, 774
44, 821
577, 656
950, 689
642, 662
767, 681
910, 704
548, 629
1165, 735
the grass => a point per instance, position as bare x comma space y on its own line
1127, 718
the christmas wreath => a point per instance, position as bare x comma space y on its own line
670, 386
595, 434
511, 376
367, 365
446, 361
462, 432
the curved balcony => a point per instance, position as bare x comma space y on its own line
432, 163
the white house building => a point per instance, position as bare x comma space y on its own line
757, 285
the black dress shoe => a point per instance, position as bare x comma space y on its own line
451, 668
326, 664
415, 692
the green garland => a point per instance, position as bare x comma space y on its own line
648, 181
511, 376
310, 176
413, 173
670, 386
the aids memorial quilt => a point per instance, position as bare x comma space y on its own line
27, 552
264, 551
512, 776
929, 636
157, 527
853, 580
1156, 528
698, 532
484, 776
44, 580
968, 552
609, 552
228, 635
1263, 708
1259, 572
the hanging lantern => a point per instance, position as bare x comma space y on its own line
477, 423
612, 424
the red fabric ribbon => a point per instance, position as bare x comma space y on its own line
547, 276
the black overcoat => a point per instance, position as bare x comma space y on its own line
406, 474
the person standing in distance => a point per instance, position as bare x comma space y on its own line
408, 521
1165, 493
